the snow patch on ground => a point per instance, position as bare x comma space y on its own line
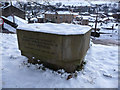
109, 34
100, 71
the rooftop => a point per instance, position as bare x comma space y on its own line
61, 12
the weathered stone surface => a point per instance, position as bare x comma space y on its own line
55, 51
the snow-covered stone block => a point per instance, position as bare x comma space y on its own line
56, 45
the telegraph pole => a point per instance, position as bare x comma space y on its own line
96, 20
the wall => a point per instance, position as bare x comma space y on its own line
60, 18
85, 22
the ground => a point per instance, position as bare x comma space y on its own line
108, 36
100, 70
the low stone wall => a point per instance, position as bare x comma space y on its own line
58, 51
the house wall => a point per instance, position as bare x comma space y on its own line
40, 20
85, 22
60, 18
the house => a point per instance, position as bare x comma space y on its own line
82, 9
41, 19
82, 20
38, 19
85, 22
12, 10
60, 16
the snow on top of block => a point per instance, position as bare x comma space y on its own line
61, 29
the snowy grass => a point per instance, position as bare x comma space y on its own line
100, 71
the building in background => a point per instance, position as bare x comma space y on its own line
60, 16
82, 20
9, 10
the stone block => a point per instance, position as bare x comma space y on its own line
54, 50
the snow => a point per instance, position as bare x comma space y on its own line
62, 29
70, 3
61, 12
10, 28
78, 2
34, 19
3, 7
40, 16
103, 29
107, 25
103, 2
100, 71
18, 20
85, 17
5, 18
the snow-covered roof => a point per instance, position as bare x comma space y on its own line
105, 18
103, 2
62, 12
3, 7
34, 19
118, 12
110, 17
40, 16
77, 2
84, 17
93, 15
70, 3
110, 13
61, 29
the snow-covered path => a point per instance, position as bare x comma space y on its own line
101, 69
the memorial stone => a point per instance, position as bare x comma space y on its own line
59, 46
